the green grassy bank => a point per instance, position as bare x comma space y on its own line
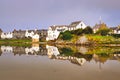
16, 42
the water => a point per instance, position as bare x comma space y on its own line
43, 62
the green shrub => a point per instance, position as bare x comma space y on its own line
103, 32
88, 30
66, 35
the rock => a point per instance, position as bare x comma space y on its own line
82, 40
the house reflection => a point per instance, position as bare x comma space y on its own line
35, 49
32, 50
52, 51
19, 50
6, 49
81, 56
78, 55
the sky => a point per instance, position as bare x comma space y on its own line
40, 14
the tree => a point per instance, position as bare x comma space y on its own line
66, 35
77, 32
103, 26
88, 30
103, 32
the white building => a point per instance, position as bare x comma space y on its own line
29, 33
35, 38
115, 30
32, 34
7, 35
54, 31
76, 25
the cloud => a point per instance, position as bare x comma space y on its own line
49, 12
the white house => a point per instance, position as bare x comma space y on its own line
7, 35
54, 31
3, 36
115, 30
76, 25
32, 34
29, 33
35, 38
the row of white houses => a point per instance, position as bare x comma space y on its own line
6, 35
32, 34
54, 31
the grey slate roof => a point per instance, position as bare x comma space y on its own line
74, 24
59, 26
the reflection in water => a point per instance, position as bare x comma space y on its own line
35, 49
77, 55
6, 49
59, 63
52, 51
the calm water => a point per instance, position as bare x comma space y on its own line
43, 62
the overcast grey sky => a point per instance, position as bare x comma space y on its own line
40, 14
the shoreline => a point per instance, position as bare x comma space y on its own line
29, 42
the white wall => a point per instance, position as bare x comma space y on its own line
36, 36
53, 34
7, 35
29, 34
81, 25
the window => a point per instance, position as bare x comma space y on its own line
81, 24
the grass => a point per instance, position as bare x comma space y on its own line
16, 42
103, 39
92, 39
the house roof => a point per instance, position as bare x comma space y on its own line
74, 24
115, 28
57, 26
19, 31
35, 31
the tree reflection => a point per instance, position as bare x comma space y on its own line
75, 54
